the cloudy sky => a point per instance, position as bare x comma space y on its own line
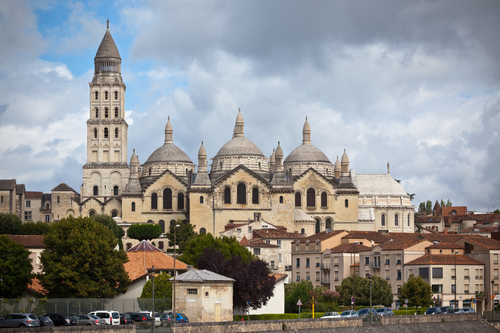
413, 83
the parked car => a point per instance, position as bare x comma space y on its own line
126, 319
150, 314
366, 311
179, 317
385, 312
431, 311
111, 317
20, 320
60, 319
45, 321
349, 313
468, 310
447, 310
331, 315
164, 316
88, 320
139, 317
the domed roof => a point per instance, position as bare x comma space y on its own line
168, 153
345, 159
306, 153
239, 146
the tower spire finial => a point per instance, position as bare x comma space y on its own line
107, 23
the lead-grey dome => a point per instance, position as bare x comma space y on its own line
168, 153
239, 146
306, 153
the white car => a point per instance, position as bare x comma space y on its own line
111, 317
331, 315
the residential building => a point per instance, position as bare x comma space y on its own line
12, 196
345, 262
32, 206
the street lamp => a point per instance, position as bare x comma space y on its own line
371, 309
354, 283
173, 305
152, 272
493, 296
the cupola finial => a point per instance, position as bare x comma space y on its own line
108, 23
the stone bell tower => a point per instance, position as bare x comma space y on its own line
106, 172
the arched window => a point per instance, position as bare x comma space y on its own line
91, 212
203, 231
96, 190
133, 206
116, 133
241, 194
150, 221
346, 203
317, 226
408, 219
281, 199
324, 200
167, 199
172, 223
161, 245
382, 220
154, 201
114, 213
96, 112
95, 133
96, 95
106, 113
116, 94
201, 199
115, 190
311, 198
255, 195
302, 231
328, 224
298, 199
396, 220
105, 95
116, 113
180, 201
105, 132
162, 225
227, 195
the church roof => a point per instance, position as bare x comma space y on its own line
306, 153
239, 146
168, 153
63, 187
108, 48
371, 184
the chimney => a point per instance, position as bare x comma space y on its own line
190, 267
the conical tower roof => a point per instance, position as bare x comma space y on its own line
108, 48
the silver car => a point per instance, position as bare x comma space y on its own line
20, 320
349, 313
87, 320
385, 312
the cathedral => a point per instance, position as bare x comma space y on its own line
303, 192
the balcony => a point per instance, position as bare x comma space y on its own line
336, 264
325, 266
374, 265
495, 261
288, 268
336, 279
325, 281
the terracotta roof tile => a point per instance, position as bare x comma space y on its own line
375, 236
321, 236
31, 194
36, 287
490, 244
461, 210
350, 248
444, 259
28, 241
278, 277
444, 246
400, 245
276, 233
244, 241
139, 262
258, 242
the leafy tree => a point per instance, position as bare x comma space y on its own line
428, 207
442, 203
497, 211
417, 291
15, 268
163, 293
182, 235
421, 207
253, 282
109, 223
229, 247
79, 261
381, 291
295, 291
144, 231
448, 203
10, 224
32, 228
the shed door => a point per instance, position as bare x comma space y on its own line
217, 312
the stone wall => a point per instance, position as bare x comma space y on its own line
74, 329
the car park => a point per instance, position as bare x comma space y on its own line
111, 317
60, 319
88, 320
45, 321
385, 312
366, 311
349, 313
19, 320
431, 311
330, 315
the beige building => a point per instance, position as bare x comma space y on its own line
204, 296
12, 197
345, 262
32, 206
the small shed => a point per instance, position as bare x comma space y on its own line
204, 296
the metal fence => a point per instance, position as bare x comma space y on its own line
40, 306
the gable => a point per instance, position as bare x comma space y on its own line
242, 175
313, 179
166, 179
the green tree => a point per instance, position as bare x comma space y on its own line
421, 207
144, 231
32, 228
417, 291
448, 203
229, 247
497, 211
109, 223
295, 291
15, 268
428, 206
163, 293
183, 234
442, 203
80, 261
10, 224
381, 291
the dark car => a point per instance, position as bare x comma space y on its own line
447, 310
126, 319
366, 312
46, 321
139, 317
19, 320
431, 311
164, 316
60, 319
